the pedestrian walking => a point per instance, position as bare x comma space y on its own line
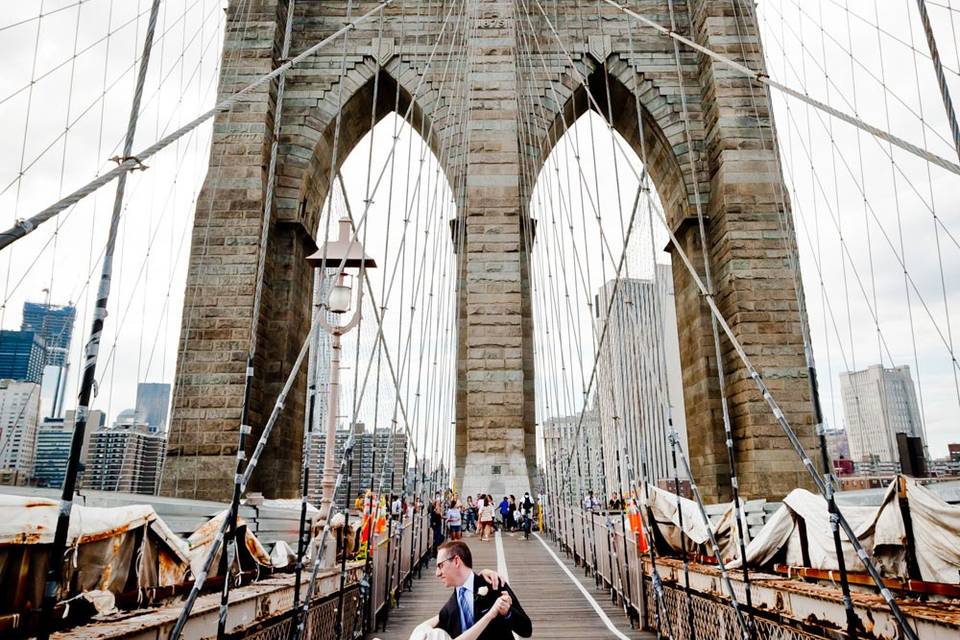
526, 509
486, 519
504, 511
470, 515
436, 525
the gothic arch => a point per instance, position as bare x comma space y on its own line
663, 135
307, 136
306, 142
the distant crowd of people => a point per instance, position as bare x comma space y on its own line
451, 517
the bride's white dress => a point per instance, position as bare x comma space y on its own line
424, 632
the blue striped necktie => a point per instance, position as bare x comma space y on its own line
466, 611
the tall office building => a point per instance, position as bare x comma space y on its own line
879, 403
153, 403
19, 416
126, 457
639, 376
53, 446
571, 455
54, 324
372, 452
21, 355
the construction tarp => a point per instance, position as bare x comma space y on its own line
667, 509
935, 525
799, 534
113, 550
251, 554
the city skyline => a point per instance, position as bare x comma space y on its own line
62, 328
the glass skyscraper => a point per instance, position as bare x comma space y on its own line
21, 356
54, 324
53, 446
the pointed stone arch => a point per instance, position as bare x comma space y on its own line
663, 146
308, 133
307, 139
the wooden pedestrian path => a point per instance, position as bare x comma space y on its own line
561, 604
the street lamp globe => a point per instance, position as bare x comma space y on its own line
341, 295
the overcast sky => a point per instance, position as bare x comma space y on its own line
61, 130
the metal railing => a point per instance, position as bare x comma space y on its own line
390, 568
321, 620
599, 544
394, 550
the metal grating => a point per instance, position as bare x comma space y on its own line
711, 619
321, 620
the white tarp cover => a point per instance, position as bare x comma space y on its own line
666, 516
726, 532
32, 520
780, 538
118, 550
936, 534
881, 531
282, 555
696, 538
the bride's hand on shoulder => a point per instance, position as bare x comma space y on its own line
496, 581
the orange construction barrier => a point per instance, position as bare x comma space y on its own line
636, 525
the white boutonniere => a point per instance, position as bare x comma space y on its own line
482, 591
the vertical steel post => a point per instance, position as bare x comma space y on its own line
58, 548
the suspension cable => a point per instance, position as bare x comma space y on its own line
941, 79
764, 79
133, 162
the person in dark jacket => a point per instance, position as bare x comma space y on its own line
436, 524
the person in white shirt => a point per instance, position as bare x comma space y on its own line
453, 521
590, 503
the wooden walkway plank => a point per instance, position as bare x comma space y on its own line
557, 607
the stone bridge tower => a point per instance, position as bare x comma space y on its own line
520, 63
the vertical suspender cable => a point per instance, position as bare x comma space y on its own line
718, 353
58, 548
664, 397
303, 532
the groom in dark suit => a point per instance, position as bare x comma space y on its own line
473, 596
